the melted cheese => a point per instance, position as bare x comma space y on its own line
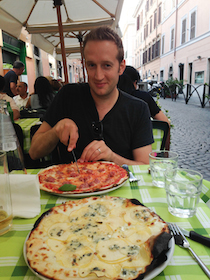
100, 269
104, 238
112, 250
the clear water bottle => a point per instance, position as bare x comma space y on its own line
9, 141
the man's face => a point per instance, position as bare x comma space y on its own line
21, 89
102, 66
20, 71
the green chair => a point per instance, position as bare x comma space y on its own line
161, 134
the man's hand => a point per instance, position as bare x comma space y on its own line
67, 129
96, 150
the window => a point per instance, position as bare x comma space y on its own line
144, 32
183, 37
199, 77
192, 24
161, 75
147, 27
147, 6
172, 39
153, 51
151, 2
170, 72
163, 44
159, 14
157, 48
155, 19
149, 54
150, 24
138, 22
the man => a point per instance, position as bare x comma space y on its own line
11, 78
155, 111
4, 96
95, 119
22, 98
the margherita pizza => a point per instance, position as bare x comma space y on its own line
97, 238
92, 177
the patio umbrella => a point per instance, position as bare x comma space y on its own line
58, 24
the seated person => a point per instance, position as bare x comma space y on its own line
96, 119
4, 96
22, 98
126, 86
42, 96
55, 84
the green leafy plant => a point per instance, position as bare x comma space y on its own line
165, 111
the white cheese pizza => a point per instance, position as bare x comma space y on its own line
97, 238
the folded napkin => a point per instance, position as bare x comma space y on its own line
25, 195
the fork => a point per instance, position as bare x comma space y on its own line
183, 243
132, 178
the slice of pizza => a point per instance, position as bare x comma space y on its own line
97, 238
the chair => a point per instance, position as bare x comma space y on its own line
161, 134
52, 158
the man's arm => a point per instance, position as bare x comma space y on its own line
16, 114
141, 156
46, 138
98, 150
13, 88
43, 142
161, 117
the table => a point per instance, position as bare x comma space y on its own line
26, 124
181, 266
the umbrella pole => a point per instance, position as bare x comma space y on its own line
82, 58
63, 51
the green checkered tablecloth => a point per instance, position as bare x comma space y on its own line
26, 124
181, 266
158, 136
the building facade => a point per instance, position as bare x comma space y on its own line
37, 62
172, 40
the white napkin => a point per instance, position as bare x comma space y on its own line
25, 195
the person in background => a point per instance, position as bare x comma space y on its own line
129, 83
11, 78
96, 119
4, 96
22, 98
55, 84
42, 96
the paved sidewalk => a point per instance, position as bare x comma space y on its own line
190, 136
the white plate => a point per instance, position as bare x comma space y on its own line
148, 276
162, 266
88, 193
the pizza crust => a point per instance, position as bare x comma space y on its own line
78, 239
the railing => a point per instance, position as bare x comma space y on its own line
204, 96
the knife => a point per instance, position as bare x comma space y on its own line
75, 160
196, 237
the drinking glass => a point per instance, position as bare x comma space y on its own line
160, 161
5, 196
183, 188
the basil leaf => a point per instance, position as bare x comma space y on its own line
67, 187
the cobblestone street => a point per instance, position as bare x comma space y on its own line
190, 136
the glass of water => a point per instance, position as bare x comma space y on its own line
160, 161
183, 188
5, 196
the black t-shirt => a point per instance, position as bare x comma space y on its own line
10, 77
153, 107
125, 127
